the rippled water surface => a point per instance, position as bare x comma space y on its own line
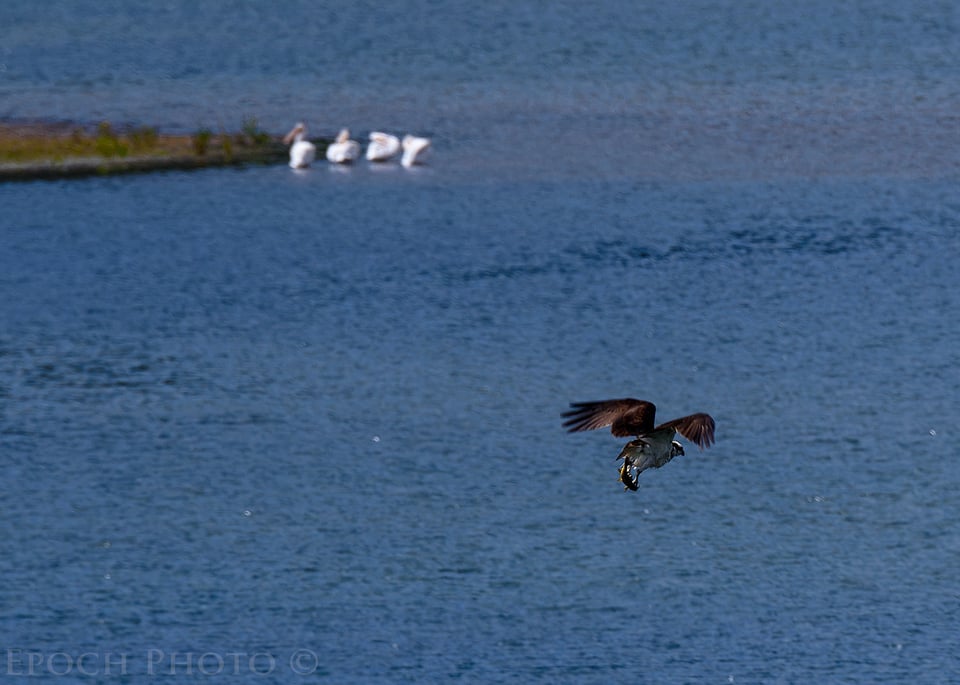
312, 419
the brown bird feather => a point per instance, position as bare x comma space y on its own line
628, 417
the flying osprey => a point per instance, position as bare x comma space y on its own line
654, 445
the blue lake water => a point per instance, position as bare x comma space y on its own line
264, 426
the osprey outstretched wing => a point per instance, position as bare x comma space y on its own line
628, 417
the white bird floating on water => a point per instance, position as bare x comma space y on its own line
302, 152
414, 148
343, 150
383, 147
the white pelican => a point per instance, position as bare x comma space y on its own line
382, 147
343, 150
413, 149
302, 152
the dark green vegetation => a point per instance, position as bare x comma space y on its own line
35, 150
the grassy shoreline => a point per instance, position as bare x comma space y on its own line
32, 150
